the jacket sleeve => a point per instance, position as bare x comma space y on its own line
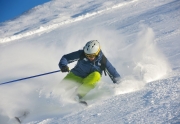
69, 58
113, 74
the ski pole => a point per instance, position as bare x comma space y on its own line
29, 77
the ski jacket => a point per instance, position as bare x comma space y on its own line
84, 67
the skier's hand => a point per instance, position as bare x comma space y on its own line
65, 69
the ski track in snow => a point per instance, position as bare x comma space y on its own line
69, 21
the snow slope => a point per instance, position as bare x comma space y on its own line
140, 38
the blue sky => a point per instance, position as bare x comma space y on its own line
10, 9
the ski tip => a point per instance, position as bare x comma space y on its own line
83, 103
18, 120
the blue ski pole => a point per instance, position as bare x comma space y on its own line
29, 77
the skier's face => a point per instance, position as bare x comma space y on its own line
91, 58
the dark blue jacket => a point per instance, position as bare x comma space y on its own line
84, 67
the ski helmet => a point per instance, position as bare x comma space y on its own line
92, 48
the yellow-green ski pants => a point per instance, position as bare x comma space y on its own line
85, 84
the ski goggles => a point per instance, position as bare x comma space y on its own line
93, 55
90, 55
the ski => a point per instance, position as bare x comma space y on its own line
18, 119
83, 103
22, 117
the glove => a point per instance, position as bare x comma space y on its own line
65, 69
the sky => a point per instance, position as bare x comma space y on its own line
10, 9
139, 37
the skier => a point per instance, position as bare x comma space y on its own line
91, 62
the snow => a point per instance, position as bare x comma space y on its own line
139, 37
